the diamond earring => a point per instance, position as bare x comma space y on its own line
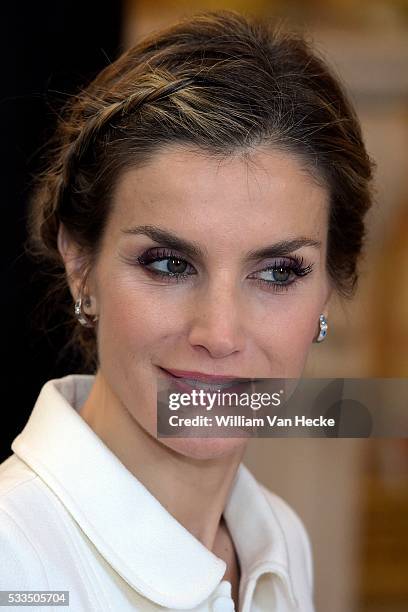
323, 328
85, 319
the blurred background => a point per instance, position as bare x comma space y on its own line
351, 494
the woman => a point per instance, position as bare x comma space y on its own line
205, 196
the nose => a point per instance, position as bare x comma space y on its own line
217, 322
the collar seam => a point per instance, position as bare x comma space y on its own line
276, 569
86, 566
287, 565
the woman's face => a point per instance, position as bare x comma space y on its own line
194, 275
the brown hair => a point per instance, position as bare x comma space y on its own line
223, 83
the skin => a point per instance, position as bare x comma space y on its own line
220, 320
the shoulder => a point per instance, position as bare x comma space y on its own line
17, 483
20, 561
21, 566
13, 472
297, 539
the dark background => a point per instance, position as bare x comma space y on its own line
49, 49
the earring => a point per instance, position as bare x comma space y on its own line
85, 319
323, 328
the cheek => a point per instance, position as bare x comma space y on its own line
132, 329
287, 332
133, 321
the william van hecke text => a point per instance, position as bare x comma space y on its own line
274, 421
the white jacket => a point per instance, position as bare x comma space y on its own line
73, 518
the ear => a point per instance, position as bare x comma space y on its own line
325, 306
74, 260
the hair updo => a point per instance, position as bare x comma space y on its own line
217, 81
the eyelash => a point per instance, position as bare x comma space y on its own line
296, 266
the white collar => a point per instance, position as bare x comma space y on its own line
137, 536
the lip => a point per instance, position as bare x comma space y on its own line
210, 378
183, 381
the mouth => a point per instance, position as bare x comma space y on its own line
188, 380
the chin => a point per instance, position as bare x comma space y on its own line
205, 448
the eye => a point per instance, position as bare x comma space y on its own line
283, 274
166, 263
278, 275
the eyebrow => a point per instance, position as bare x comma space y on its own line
193, 250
